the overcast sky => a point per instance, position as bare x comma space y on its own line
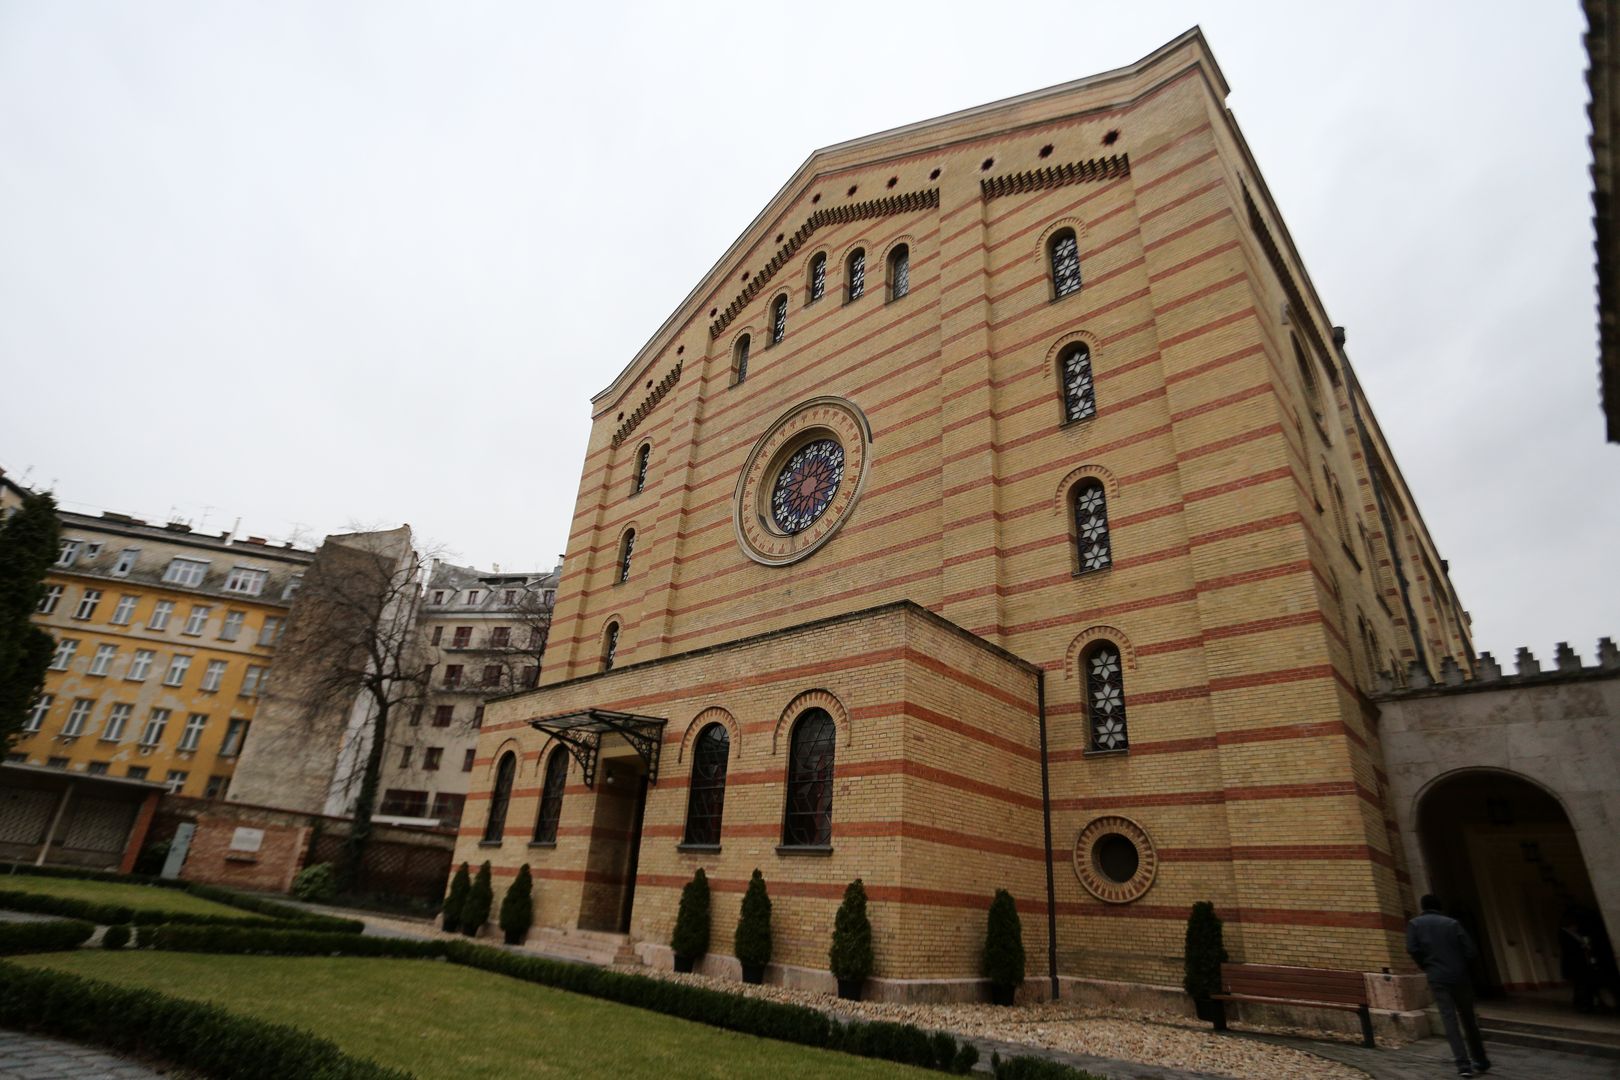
313, 264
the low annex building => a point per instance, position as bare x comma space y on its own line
1001, 511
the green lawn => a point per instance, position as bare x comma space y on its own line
139, 897
447, 1022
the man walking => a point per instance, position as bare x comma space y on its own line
1443, 949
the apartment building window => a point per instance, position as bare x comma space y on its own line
438, 596
402, 802
92, 550
161, 611
126, 562
196, 620
472, 596
141, 665
492, 674
461, 638
68, 552
537, 638
443, 714
245, 580
103, 659
448, 807
405, 756
88, 604
549, 598
431, 758
500, 637
270, 631
189, 572
467, 759
294, 583
235, 735
216, 787
97, 768
176, 779
478, 717
511, 597
16, 758
213, 675
136, 772
452, 675
177, 671
232, 628
36, 717
156, 721
124, 613
252, 681
191, 737
64, 654
77, 717
531, 675
438, 635
117, 721
48, 602
56, 763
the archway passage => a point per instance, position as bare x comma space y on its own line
1502, 856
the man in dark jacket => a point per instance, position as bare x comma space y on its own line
1443, 949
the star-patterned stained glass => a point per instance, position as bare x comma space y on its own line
818, 277
706, 798
625, 551
806, 485
1105, 698
857, 273
610, 646
739, 360
551, 797
1079, 393
808, 821
643, 456
779, 320
1065, 264
899, 272
1091, 527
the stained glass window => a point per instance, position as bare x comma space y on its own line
857, 273
1307, 377
551, 797
818, 277
1091, 526
495, 827
643, 456
1079, 394
707, 797
779, 320
739, 361
806, 485
610, 646
626, 549
1065, 264
899, 272
1105, 697
808, 821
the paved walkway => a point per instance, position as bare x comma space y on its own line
1430, 1059
35, 1057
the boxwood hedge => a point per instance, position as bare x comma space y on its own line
47, 936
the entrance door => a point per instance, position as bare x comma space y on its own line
610, 865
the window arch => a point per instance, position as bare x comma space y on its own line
739, 360
779, 319
899, 271
643, 457
500, 798
1104, 672
610, 645
807, 821
855, 272
1079, 392
818, 276
627, 547
1063, 254
1093, 548
551, 797
707, 797
1307, 378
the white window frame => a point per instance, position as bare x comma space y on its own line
92, 549
65, 648
88, 604
231, 629
178, 669
196, 620
73, 726
251, 680
177, 779
124, 613
36, 717
191, 737
270, 631
102, 661
214, 675
162, 612
48, 602
246, 580
117, 720
185, 571
126, 562
141, 666
157, 721
294, 583
68, 552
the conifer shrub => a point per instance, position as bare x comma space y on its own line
53, 935
315, 884
1204, 953
1003, 961
116, 937
517, 907
480, 898
456, 901
691, 937
850, 957
753, 939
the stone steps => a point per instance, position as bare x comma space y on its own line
584, 946
1564, 1038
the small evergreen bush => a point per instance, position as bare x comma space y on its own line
54, 935
850, 957
753, 940
1034, 1068
479, 900
1204, 953
691, 937
1003, 961
517, 907
116, 937
315, 884
456, 902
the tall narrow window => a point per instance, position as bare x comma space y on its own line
707, 796
1064, 252
1105, 696
739, 361
610, 646
1091, 527
808, 820
627, 547
818, 277
1079, 394
857, 273
899, 272
1307, 378
500, 798
551, 797
643, 456
779, 319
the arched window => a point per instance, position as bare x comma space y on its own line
610, 645
818, 277
495, 827
1307, 378
856, 272
808, 820
779, 319
1092, 545
899, 272
1079, 394
707, 797
1104, 673
643, 456
1064, 254
627, 547
551, 797
1338, 506
739, 361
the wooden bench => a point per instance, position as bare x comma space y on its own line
1318, 988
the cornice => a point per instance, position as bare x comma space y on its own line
1055, 176
664, 386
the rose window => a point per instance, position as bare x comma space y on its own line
806, 485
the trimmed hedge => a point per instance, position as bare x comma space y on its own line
184, 1033
116, 937
109, 914
52, 936
278, 941
1033, 1068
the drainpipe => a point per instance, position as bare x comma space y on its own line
61, 810
1046, 817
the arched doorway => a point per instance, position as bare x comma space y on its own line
1502, 856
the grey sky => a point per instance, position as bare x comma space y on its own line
313, 264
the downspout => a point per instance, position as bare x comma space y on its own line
1046, 819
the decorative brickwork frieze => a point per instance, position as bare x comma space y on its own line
1056, 176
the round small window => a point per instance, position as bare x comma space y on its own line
1114, 859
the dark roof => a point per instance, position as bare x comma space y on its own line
1603, 22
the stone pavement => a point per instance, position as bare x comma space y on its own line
1430, 1059
35, 1057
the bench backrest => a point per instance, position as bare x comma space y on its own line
1305, 984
